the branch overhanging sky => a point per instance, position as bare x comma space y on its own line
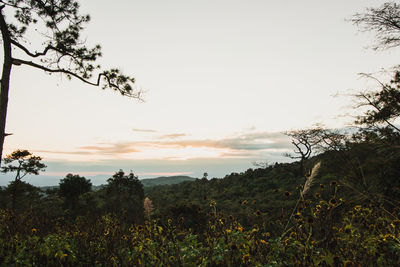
222, 79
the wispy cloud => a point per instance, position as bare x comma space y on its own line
111, 149
172, 136
144, 130
175, 147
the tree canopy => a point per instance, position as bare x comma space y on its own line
59, 47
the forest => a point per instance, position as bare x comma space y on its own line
337, 203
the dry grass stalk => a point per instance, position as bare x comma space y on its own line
311, 178
148, 207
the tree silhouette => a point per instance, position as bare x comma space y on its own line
23, 163
384, 21
62, 51
71, 187
125, 196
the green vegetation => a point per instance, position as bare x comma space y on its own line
337, 206
168, 180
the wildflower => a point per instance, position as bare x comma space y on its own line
240, 228
348, 263
267, 234
297, 216
34, 230
212, 203
169, 221
124, 237
357, 208
293, 234
106, 232
246, 258
262, 241
287, 241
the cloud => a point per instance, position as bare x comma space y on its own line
246, 145
111, 149
172, 136
143, 130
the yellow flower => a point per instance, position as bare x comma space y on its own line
262, 241
240, 228
34, 230
357, 208
348, 263
246, 258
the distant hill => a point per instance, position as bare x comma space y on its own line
166, 180
149, 182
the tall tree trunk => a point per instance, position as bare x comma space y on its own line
5, 79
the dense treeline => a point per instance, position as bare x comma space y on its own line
336, 205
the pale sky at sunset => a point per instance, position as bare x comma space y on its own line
222, 80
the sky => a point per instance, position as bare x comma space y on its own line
222, 81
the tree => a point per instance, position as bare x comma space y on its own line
384, 21
304, 142
383, 105
23, 163
62, 51
72, 187
125, 196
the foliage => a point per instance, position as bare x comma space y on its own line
384, 21
57, 26
73, 186
22, 162
125, 196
